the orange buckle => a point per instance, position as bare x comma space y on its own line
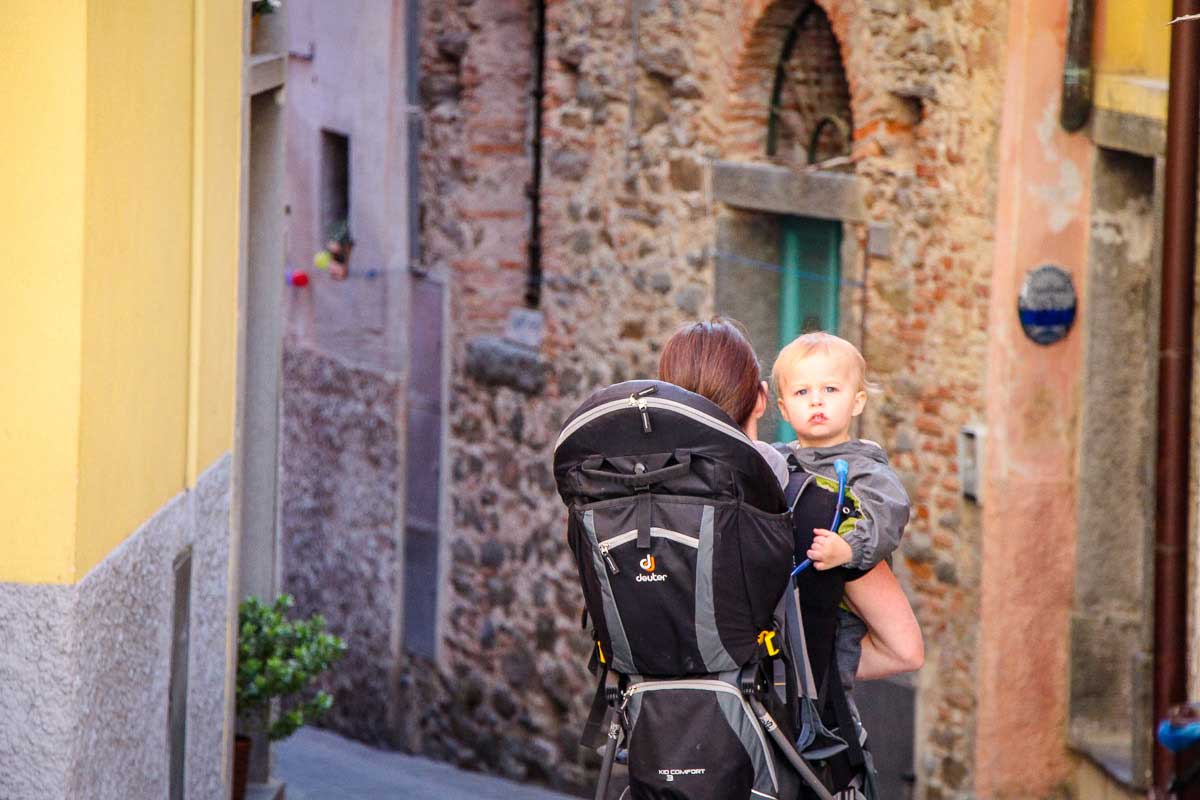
600, 652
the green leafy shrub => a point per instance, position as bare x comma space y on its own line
279, 658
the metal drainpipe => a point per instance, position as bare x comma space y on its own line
1175, 379
533, 287
412, 91
1077, 72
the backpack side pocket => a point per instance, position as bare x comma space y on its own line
699, 740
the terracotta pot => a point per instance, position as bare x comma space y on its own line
255, 33
241, 766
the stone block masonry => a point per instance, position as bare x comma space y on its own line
640, 99
339, 480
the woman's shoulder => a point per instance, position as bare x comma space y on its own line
776, 460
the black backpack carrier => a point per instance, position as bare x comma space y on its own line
684, 544
828, 738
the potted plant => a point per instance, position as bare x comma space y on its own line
277, 659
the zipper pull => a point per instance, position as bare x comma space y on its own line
609, 560
637, 399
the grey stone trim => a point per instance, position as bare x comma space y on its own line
85, 669
1109, 705
764, 187
494, 361
879, 240
1117, 130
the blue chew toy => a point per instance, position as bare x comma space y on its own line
842, 469
1178, 738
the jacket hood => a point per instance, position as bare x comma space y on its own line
820, 459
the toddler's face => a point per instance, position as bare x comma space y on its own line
819, 396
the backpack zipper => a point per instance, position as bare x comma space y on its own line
629, 536
649, 402
608, 559
638, 399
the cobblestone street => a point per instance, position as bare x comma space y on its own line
318, 765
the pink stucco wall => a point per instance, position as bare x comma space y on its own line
346, 75
1043, 201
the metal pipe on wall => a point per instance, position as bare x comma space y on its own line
414, 114
533, 286
1076, 104
1175, 379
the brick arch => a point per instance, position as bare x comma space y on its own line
762, 27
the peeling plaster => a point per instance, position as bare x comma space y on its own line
1128, 227
1062, 198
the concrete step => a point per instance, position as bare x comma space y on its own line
319, 765
265, 791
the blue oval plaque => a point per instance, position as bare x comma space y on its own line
1046, 304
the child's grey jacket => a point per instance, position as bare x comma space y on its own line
880, 495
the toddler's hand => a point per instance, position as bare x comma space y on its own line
828, 550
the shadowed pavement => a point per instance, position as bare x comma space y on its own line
319, 765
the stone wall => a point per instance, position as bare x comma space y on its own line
629, 229
639, 99
926, 85
507, 695
339, 482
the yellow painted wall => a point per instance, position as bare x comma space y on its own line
1132, 56
1133, 37
137, 252
42, 81
217, 233
119, 331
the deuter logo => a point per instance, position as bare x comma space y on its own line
670, 774
648, 565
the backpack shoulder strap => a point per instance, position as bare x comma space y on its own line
845, 721
798, 478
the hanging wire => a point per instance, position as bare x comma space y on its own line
724, 255
770, 267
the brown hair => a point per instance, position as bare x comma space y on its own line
714, 359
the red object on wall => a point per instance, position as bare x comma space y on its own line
297, 278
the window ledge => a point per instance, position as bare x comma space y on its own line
265, 71
1111, 755
779, 190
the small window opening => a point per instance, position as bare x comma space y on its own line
335, 181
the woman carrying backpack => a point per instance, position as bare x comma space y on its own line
716, 360
714, 681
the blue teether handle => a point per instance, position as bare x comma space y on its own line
842, 469
1178, 738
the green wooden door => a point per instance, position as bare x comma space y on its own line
809, 282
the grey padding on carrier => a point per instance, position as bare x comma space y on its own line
741, 718
622, 655
716, 657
